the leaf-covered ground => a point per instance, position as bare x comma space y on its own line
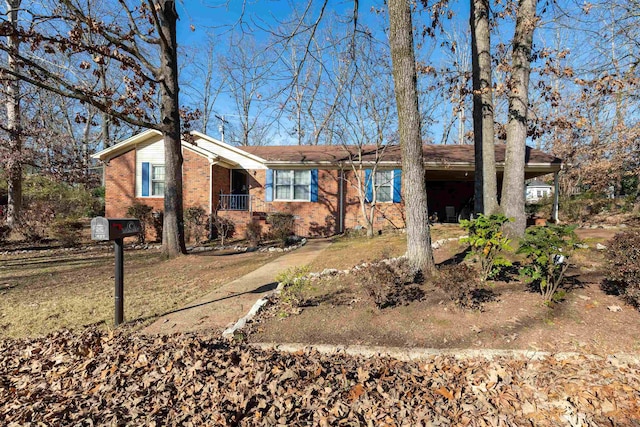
100, 378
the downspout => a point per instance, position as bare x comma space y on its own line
556, 188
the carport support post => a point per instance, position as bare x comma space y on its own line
118, 247
556, 188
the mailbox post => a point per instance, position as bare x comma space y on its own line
116, 229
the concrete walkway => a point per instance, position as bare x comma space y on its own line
225, 305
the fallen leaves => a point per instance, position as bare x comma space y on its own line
103, 378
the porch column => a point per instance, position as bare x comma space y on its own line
556, 188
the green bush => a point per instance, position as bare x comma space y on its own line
143, 213
66, 231
295, 282
547, 251
623, 267
282, 226
195, 223
65, 200
487, 242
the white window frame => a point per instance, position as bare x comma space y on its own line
389, 183
152, 180
291, 185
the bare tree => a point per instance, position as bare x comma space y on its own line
141, 39
247, 68
486, 187
14, 159
513, 190
365, 117
419, 250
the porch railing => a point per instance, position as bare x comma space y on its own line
235, 202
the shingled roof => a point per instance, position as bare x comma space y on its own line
433, 154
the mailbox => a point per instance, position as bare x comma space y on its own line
114, 228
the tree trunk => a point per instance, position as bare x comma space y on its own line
14, 163
173, 227
513, 184
486, 187
419, 250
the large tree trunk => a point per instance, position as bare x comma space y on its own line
173, 227
486, 187
419, 250
14, 162
513, 197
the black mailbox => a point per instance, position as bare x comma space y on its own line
114, 228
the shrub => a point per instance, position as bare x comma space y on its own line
281, 226
35, 220
66, 231
460, 283
157, 222
623, 267
143, 213
487, 242
65, 200
195, 223
390, 284
224, 226
547, 250
253, 233
5, 231
295, 282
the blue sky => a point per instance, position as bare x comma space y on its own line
220, 17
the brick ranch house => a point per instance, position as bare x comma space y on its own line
314, 183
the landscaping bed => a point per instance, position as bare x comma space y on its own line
337, 309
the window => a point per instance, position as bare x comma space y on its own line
539, 193
384, 186
157, 180
292, 184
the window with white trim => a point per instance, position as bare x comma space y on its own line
157, 180
292, 184
384, 186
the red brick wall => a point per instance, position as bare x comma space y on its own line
312, 218
221, 183
387, 215
120, 187
195, 179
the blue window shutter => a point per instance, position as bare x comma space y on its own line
268, 186
397, 185
368, 182
145, 179
314, 185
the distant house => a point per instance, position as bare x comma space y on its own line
537, 190
314, 183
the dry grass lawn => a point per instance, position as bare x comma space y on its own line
42, 291
345, 252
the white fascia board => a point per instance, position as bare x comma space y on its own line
198, 150
125, 145
233, 154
